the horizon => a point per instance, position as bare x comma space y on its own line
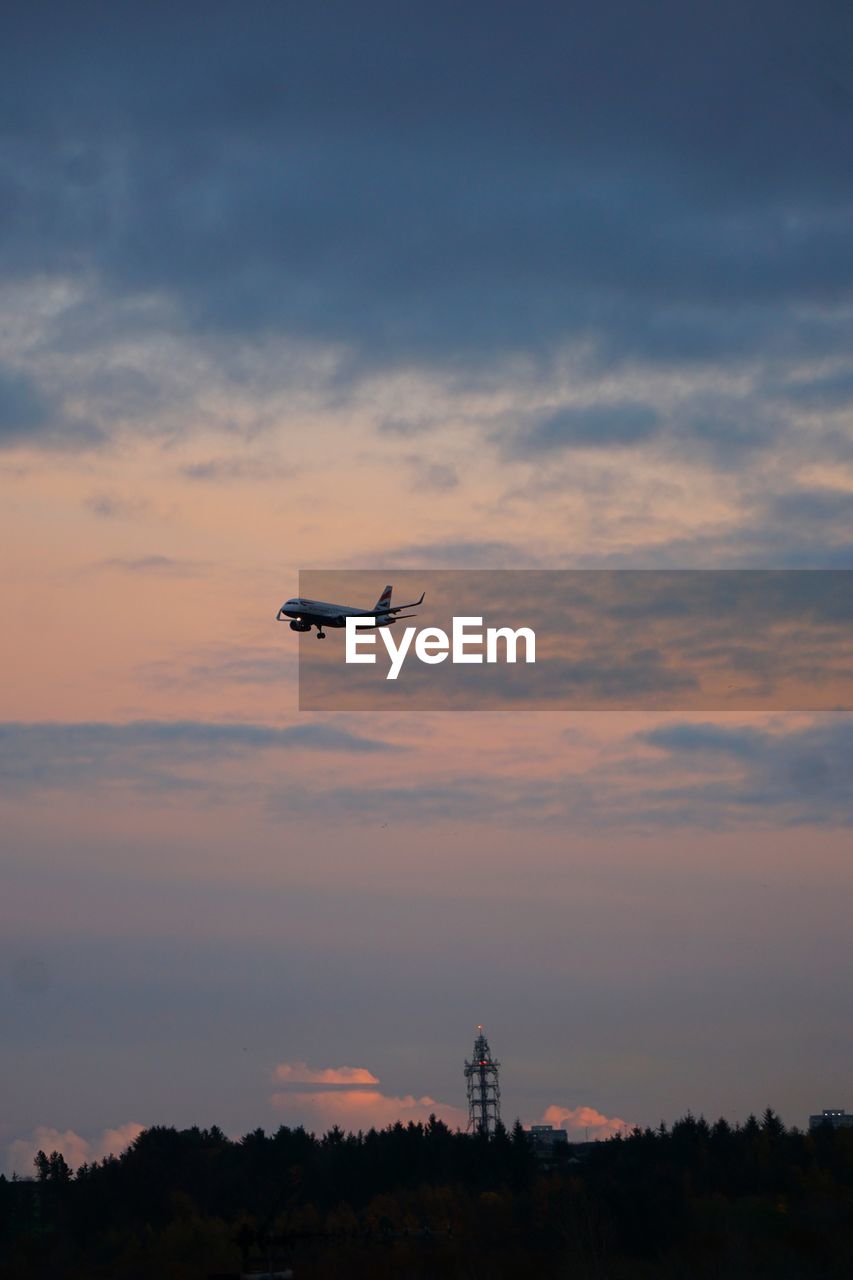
753, 1121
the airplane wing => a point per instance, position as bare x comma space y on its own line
388, 621
413, 604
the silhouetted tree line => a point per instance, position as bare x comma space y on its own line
421, 1201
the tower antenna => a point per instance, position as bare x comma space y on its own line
484, 1091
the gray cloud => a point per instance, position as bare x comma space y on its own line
707, 739
807, 508
222, 664
242, 666
437, 477
456, 553
153, 564
153, 753
111, 506
226, 470
700, 777
766, 531
713, 428
693, 775
827, 394
593, 425
405, 427
800, 777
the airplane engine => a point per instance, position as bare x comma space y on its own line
300, 626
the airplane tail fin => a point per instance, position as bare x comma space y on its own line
383, 604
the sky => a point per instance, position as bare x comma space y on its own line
414, 286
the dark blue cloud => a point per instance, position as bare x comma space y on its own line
442, 183
22, 408
828, 394
27, 413
625, 423
807, 507
800, 776
704, 777
710, 739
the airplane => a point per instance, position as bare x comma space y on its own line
305, 614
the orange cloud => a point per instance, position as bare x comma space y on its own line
583, 1122
354, 1109
301, 1073
349, 1098
76, 1149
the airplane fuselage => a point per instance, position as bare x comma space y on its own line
304, 614
319, 613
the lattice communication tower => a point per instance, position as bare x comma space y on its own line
484, 1090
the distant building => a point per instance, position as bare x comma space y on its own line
838, 1120
545, 1138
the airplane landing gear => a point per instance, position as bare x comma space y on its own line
321, 635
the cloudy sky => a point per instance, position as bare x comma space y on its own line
425, 286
